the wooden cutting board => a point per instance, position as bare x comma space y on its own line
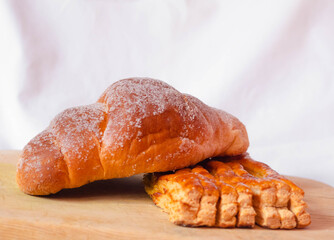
120, 209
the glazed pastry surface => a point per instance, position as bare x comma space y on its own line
234, 191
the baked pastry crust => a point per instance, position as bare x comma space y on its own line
190, 197
286, 198
250, 190
224, 174
138, 125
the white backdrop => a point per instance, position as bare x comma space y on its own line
270, 63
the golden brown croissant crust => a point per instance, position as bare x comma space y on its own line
229, 192
138, 125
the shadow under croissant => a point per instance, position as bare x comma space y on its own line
130, 188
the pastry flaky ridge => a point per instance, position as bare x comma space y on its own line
229, 192
138, 125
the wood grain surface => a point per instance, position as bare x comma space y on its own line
120, 209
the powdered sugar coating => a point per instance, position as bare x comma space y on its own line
79, 133
43, 140
130, 101
80, 119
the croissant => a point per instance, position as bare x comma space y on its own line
138, 125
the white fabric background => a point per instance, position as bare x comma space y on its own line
270, 63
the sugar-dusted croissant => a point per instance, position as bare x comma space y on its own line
138, 125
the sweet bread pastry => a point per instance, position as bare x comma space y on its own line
265, 198
179, 194
190, 197
224, 174
288, 194
138, 125
261, 195
227, 205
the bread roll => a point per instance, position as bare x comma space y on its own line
138, 125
